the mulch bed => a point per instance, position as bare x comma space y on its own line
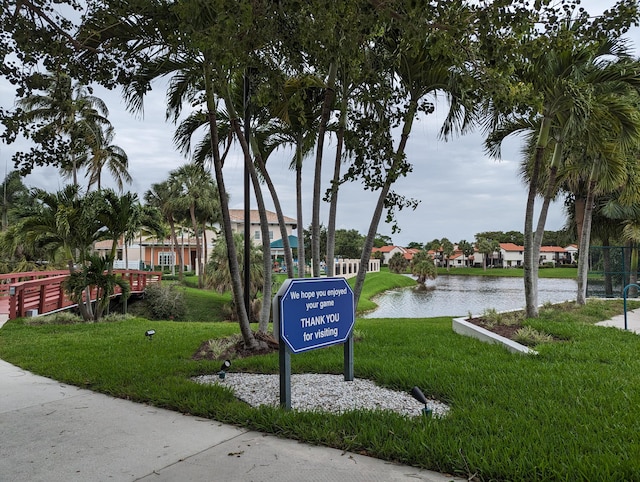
237, 349
508, 331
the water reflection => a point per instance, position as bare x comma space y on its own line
460, 295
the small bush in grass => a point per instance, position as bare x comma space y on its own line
216, 347
530, 336
69, 318
165, 302
111, 317
61, 318
510, 318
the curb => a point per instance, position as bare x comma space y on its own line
463, 327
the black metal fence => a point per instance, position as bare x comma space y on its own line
609, 271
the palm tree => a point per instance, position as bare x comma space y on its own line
196, 193
14, 193
122, 217
604, 167
64, 222
346, 90
487, 247
188, 84
467, 250
298, 112
261, 150
104, 153
96, 274
447, 250
565, 79
631, 233
415, 71
626, 223
218, 277
70, 111
423, 267
398, 263
160, 52
162, 197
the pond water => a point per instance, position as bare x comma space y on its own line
461, 295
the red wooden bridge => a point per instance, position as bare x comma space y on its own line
41, 292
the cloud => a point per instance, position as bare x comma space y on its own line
461, 190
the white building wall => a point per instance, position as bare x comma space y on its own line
512, 258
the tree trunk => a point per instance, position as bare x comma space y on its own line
583, 249
82, 305
288, 258
633, 272
301, 253
265, 310
194, 223
579, 206
335, 184
322, 128
179, 250
626, 255
234, 270
205, 250
530, 272
377, 214
539, 233
606, 261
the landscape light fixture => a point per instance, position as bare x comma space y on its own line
419, 396
149, 334
223, 369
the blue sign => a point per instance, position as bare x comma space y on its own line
315, 313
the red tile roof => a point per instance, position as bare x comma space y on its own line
552, 249
386, 249
511, 247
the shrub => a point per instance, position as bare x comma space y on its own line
216, 347
111, 317
165, 302
59, 318
530, 336
508, 318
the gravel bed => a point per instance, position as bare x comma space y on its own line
326, 393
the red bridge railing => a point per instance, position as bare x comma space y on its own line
42, 291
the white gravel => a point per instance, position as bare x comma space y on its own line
326, 393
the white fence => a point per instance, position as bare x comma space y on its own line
121, 264
348, 268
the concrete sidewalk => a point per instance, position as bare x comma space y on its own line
633, 321
56, 432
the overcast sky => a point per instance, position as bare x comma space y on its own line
461, 190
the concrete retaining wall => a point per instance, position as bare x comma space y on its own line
463, 327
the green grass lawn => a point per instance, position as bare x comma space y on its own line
570, 413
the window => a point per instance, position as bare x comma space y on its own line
166, 259
256, 235
270, 234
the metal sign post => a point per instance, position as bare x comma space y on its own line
312, 313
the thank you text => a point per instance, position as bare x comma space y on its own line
315, 312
